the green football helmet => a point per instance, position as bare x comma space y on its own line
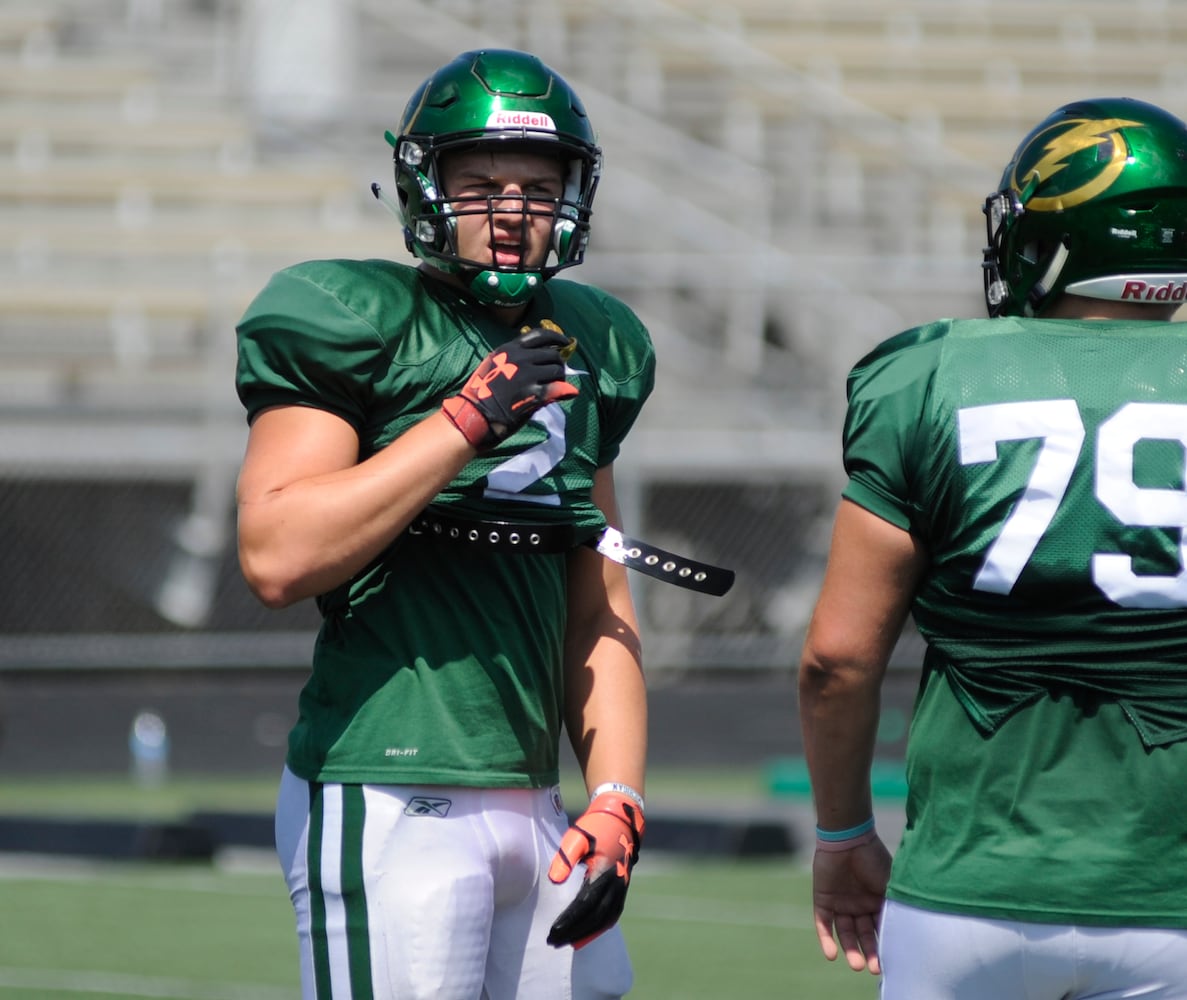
494, 96
1093, 203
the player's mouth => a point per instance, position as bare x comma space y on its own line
507, 254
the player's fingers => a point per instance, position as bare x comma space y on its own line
559, 390
867, 933
850, 942
574, 846
824, 933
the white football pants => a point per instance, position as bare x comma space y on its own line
406, 892
944, 956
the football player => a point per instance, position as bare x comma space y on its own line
1018, 485
429, 446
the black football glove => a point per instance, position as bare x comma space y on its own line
606, 837
512, 383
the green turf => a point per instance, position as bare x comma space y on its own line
118, 796
143, 930
697, 927
710, 930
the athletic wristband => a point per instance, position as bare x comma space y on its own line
621, 789
835, 841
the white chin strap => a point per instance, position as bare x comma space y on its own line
1042, 288
387, 201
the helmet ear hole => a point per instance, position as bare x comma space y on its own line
562, 238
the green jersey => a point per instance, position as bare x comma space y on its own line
1042, 464
440, 664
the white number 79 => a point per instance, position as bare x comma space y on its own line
1057, 423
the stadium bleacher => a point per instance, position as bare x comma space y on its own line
788, 181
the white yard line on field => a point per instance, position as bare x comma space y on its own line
122, 985
54, 868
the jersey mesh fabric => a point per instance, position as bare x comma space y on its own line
438, 664
1052, 712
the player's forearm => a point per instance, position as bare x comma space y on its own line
606, 715
839, 709
868, 586
309, 536
605, 691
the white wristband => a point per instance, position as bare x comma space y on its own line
621, 789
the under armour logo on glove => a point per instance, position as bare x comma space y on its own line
495, 366
512, 383
606, 837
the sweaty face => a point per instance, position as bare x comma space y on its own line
504, 202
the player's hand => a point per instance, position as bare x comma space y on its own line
848, 888
512, 383
606, 837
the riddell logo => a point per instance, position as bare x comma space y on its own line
1153, 288
1143, 291
521, 119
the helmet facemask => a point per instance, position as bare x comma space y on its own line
1003, 210
431, 225
495, 101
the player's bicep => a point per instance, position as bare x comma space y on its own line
288, 444
599, 594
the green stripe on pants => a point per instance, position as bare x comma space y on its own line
338, 901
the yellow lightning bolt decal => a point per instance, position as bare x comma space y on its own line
1084, 134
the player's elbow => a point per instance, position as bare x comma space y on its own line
815, 675
273, 598
268, 580
273, 594
836, 672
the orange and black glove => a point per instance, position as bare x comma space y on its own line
606, 837
512, 383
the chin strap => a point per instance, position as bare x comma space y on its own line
386, 200
1042, 288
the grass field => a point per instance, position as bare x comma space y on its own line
699, 928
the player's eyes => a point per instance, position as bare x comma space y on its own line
476, 191
543, 190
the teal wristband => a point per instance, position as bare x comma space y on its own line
835, 836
